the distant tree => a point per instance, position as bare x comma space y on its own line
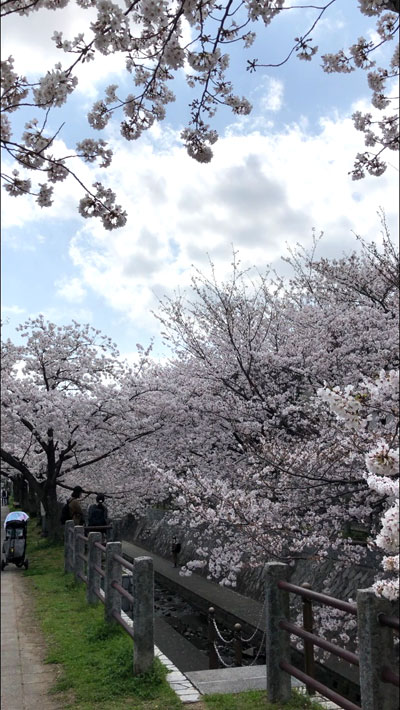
70, 410
158, 39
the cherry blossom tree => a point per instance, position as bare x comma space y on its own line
71, 410
158, 39
258, 462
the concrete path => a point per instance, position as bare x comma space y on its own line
25, 679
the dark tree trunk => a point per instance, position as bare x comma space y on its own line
32, 502
53, 512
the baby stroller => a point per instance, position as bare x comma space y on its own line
14, 544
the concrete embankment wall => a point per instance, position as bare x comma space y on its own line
155, 533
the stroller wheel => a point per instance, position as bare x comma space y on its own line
26, 564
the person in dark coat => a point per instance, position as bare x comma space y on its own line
176, 548
97, 513
75, 506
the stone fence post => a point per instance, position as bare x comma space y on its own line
113, 573
79, 549
94, 559
115, 532
375, 651
277, 643
69, 546
143, 614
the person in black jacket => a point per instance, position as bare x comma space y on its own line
97, 513
176, 548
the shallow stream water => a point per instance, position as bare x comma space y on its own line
188, 621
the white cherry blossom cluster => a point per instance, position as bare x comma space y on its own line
362, 409
383, 460
360, 53
111, 29
5, 127
90, 150
54, 87
153, 11
336, 63
374, 7
174, 55
44, 198
241, 106
307, 51
266, 9
102, 205
366, 162
14, 88
203, 61
77, 45
99, 116
57, 172
388, 538
18, 186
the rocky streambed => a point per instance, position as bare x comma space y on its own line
192, 624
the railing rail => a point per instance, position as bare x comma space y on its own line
318, 597
321, 642
375, 633
118, 618
388, 676
123, 592
99, 570
124, 562
319, 687
100, 547
392, 622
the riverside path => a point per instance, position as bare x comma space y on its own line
25, 679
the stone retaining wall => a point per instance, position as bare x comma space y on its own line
155, 534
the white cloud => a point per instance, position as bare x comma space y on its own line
64, 315
28, 40
22, 210
71, 289
13, 310
272, 98
259, 193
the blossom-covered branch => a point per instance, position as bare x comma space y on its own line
159, 39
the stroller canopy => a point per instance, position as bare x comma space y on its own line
17, 515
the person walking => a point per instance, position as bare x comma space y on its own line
98, 515
75, 506
176, 548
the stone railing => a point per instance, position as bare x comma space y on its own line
100, 567
375, 625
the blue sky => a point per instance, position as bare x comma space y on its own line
275, 176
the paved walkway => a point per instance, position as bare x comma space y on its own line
25, 679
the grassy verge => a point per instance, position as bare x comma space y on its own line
257, 700
96, 658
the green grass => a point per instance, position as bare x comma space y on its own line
96, 658
257, 700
